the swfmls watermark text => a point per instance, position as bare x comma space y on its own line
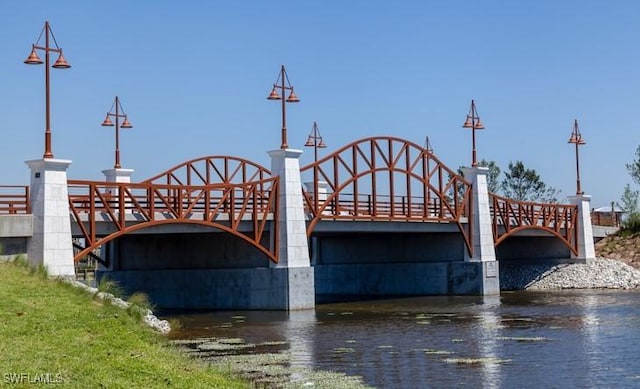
33, 378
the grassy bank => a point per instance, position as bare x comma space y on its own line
53, 332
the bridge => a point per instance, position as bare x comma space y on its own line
379, 216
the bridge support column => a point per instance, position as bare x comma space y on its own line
293, 267
483, 257
51, 244
118, 175
586, 248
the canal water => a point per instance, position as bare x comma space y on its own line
560, 339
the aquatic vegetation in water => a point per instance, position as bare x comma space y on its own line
342, 350
431, 351
524, 338
231, 340
273, 343
477, 361
238, 317
423, 322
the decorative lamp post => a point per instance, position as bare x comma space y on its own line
426, 191
282, 76
427, 146
60, 63
473, 122
119, 114
315, 140
576, 138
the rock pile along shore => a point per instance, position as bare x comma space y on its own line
600, 273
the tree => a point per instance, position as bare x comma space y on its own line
629, 201
492, 177
525, 184
634, 167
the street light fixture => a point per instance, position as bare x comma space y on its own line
473, 122
576, 138
282, 76
60, 63
119, 113
315, 140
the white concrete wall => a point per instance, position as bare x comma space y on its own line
586, 247
294, 249
50, 244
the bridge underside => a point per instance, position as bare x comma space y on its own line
194, 266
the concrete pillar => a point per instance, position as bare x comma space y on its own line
294, 249
483, 244
118, 175
51, 244
586, 248
293, 254
113, 175
484, 253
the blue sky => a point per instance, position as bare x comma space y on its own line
194, 75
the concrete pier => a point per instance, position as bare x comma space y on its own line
50, 245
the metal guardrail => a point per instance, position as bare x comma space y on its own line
14, 199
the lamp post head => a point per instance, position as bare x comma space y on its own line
33, 58
292, 97
310, 142
473, 120
61, 63
273, 95
126, 123
576, 136
107, 122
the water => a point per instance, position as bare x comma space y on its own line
580, 339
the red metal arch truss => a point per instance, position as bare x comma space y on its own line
510, 216
387, 178
210, 170
103, 211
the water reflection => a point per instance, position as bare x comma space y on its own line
489, 326
298, 333
520, 339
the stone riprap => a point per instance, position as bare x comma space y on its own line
162, 326
600, 273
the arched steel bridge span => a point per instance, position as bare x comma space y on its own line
373, 179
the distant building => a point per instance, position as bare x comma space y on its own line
606, 216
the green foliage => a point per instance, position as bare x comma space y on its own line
21, 261
525, 184
634, 167
40, 270
631, 224
140, 304
492, 177
45, 327
629, 201
105, 285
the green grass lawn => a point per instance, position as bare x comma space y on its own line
51, 331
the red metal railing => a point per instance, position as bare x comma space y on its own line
14, 199
127, 207
212, 170
387, 178
510, 216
